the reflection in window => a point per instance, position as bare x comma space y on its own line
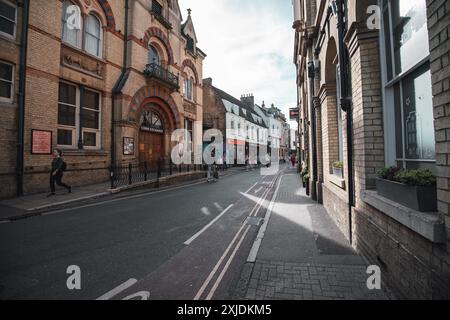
410, 34
418, 120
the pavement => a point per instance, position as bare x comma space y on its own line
302, 255
32, 204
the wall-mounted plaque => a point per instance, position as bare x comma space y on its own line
128, 146
41, 142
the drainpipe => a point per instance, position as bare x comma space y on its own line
346, 106
21, 98
119, 85
311, 76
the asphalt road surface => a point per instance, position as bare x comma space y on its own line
183, 243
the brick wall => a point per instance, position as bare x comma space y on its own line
438, 12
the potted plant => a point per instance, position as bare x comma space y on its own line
415, 189
338, 166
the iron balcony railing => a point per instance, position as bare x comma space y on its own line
154, 70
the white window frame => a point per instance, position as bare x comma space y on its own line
98, 131
74, 129
388, 94
100, 40
7, 35
11, 99
80, 33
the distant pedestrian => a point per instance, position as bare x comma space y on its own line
293, 160
56, 175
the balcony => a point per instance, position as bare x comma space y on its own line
158, 16
153, 71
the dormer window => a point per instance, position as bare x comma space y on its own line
190, 45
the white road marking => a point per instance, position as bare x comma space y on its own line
251, 188
195, 236
254, 211
258, 190
227, 265
257, 244
118, 290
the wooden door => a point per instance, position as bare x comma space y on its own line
151, 148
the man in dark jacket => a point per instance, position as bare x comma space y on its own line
57, 172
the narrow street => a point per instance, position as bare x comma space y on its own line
187, 242
129, 238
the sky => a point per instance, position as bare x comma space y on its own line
249, 46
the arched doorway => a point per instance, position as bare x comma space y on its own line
154, 129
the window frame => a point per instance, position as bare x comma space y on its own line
79, 45
92, 130
7, 35
12, 82
388, 92
76, 129
85, 33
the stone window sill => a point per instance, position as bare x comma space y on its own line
428, 224
337, 181
84, 152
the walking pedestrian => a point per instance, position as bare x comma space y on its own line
293, 160
56, 175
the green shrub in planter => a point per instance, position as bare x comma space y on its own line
415, 189
338, 165
420, 178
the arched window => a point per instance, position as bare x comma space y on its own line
71, 24
185, 86
191, 89
93, 36
153, 56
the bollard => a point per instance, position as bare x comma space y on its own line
111, 176
130, 174
145, 171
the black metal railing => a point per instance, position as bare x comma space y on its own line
157, 12
133, 173
154, 70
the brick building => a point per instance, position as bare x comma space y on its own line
102, 100
368, 87
243, 130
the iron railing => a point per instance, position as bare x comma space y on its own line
154, 70
133, 173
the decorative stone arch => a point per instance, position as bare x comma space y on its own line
161, 49
158, 95
189, 64
158, 33
330, 65
106, 17
110, 20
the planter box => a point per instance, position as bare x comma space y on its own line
422, 199
338, 172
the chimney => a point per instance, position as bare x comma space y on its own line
207, 81
248, 100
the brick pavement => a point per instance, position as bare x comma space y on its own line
304, 256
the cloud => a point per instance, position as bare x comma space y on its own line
249, 46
